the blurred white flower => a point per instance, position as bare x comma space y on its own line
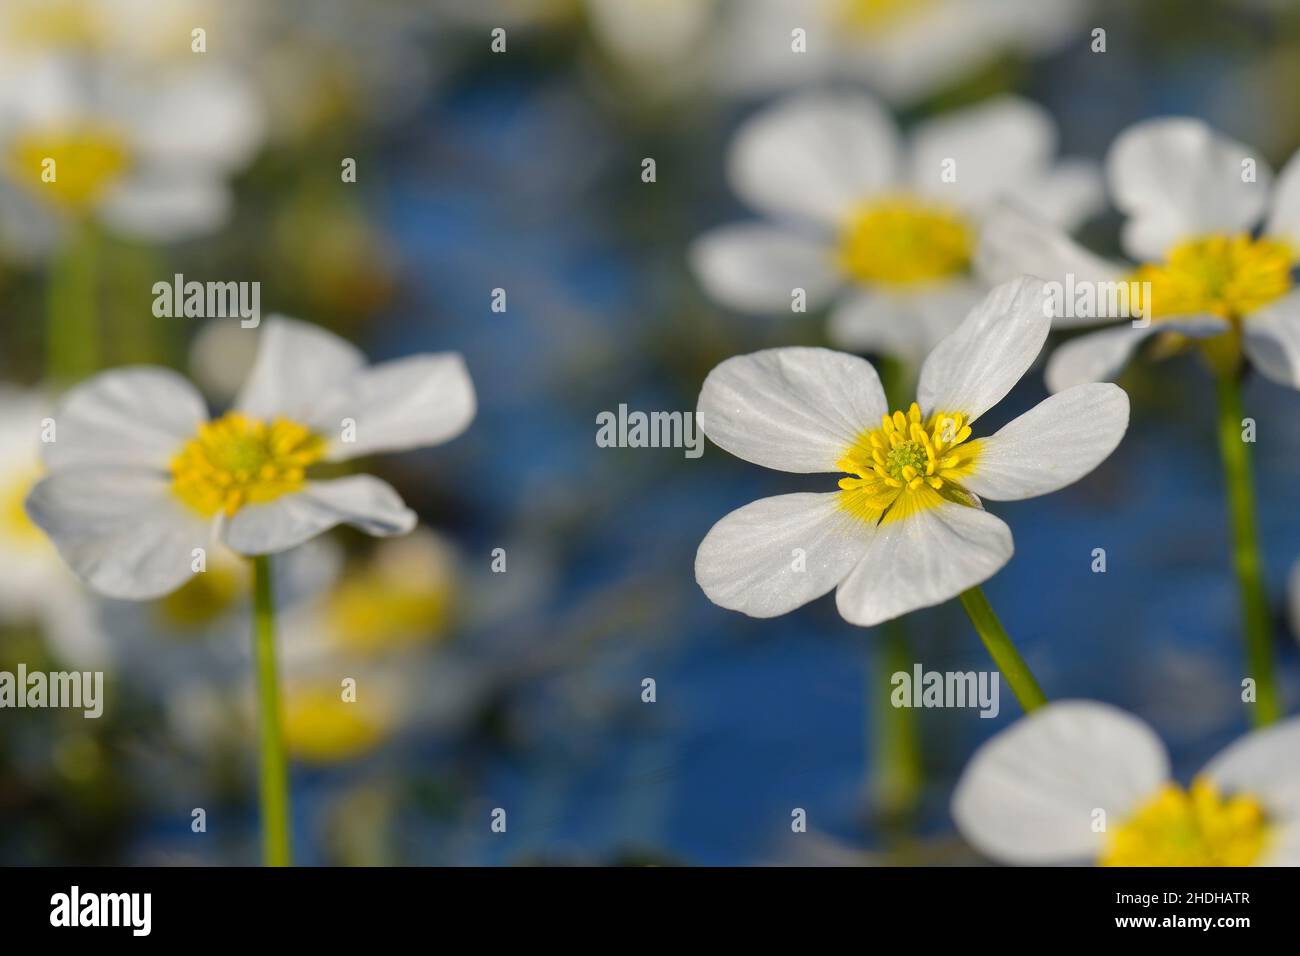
884, 232
1084, 782
1192, 198
35, 586
907, 528
904, 49
139, 478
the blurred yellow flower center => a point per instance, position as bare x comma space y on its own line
237, 460
72, 167
906, 465
904, 241
1227, 276
875, 16
46, 24
1194, 827
371, 612
203, 598
15, 526
321, 727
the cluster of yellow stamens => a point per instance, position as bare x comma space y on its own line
237, 460
1227, 276
904, 241
1193, 827
907, 464
72, 167
876, 16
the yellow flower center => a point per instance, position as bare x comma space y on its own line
876, 16
904, 241
907, 465
50, 24
371, 612
1227, 276
237, 460
203, 598
15, 527
321, 727
1194, 827
71, 167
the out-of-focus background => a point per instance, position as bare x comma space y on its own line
522, 170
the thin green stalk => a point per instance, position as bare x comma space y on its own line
1256, 623
895, 740
1013, 667
273, 776
71, 319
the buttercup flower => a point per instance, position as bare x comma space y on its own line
1215, 237
1084, 782
906, 529
885, 233
139, 477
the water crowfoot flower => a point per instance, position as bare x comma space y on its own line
907, 528
1080, 781
140, 483
1217, 241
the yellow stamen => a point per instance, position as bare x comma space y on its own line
70, 167
1194, 827
1227, 276
907, 465
237, 460
321, 727
16, 529
876, 16
904, 241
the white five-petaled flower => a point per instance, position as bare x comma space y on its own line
906, 529
1193, 201
1084, 782
139, 477
886, 234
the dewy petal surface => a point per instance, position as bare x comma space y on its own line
923, 559
1029, 794
1052, 445
121, 530
810, 157
777, 554
973, 368
362, 501
791, 409
133, 417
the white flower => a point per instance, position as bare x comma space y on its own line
139, 478
140, 157
904, 49
1084, 782
884, 232
906, 529
1192, 198
35, 586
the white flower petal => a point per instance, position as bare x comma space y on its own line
121, 530
991, 147
813, 156
777, 554
924, 559
1014, 242
296, 364
362, 501
1272, 340
1052, 445
903, 325
165, 207
1066, 195
1101, 356
753, 267
1028, 795
792, 409
138, 416
1176, 178
395, 406
1284, 218
200, 118
1265, 764
973, 368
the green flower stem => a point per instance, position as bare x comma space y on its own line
1013, 667
1257, 627
71, 317
274, 776
895, 740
